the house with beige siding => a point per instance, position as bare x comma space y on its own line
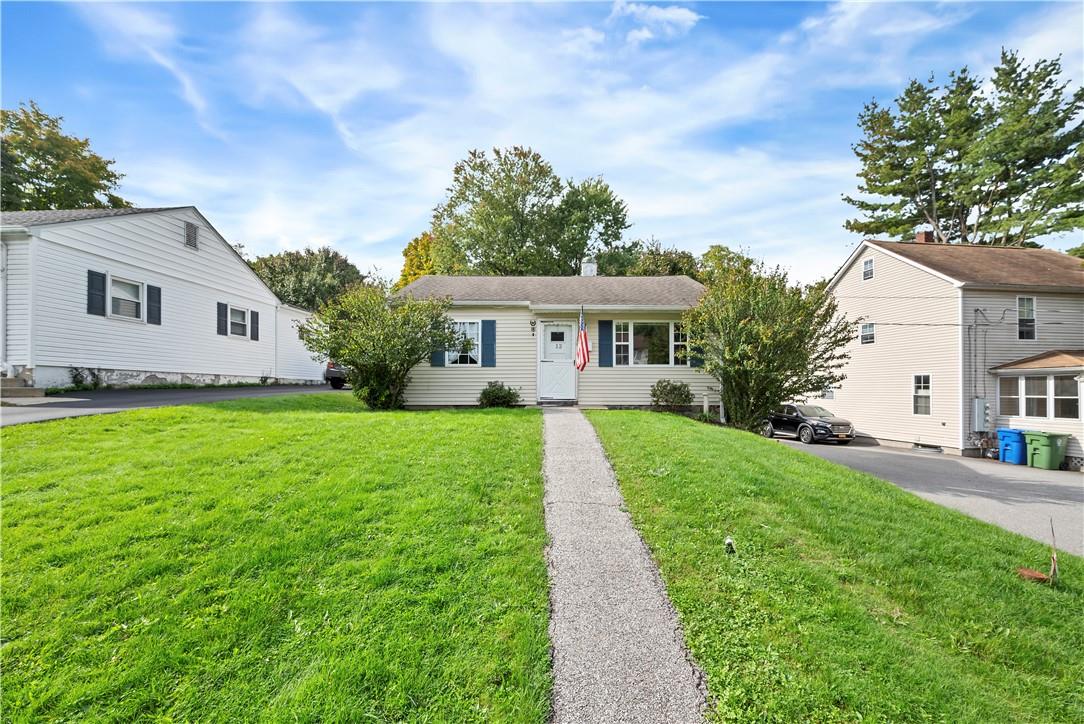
954, 341
523, 332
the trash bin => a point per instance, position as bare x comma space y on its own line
1046, 450
1011, 447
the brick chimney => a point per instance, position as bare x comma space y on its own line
924, 237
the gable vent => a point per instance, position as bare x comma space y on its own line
191, 235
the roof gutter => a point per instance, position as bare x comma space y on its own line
1022, 287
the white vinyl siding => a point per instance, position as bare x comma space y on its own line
146, 248
292, 360
916, 317
16, 297
516, 354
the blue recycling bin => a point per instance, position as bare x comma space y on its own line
1011, 447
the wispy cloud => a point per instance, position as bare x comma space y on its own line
346, 127
128, 30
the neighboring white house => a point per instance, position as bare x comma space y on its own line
524, 331
949, 337
140, 296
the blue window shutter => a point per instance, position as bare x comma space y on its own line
154, 305
223, 318
489, 342
95, 293
254, 326
605, 343
436, 359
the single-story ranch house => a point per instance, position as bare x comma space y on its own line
524, 332
140, 296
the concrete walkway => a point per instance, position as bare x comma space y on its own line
618, 650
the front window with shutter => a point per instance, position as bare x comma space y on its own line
470, 353
238, 322
126, 299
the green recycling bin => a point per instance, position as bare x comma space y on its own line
1046, 450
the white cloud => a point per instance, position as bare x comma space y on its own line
128, 30
668, 21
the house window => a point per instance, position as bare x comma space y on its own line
471, 333
1008, 392
867, 269
921, 398
191, 235
1035, 396
651, 343
828, 394
1066, 397
681, 344
1025, 315
867, 333
621, 343
238, 322
126, 299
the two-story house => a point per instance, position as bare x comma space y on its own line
954, 341
138, 296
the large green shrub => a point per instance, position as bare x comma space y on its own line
378, 338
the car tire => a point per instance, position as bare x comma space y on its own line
805, 434
336, 383
767, 430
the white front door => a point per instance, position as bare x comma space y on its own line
557, 351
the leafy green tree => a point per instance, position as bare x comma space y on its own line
510, 214
997, 167
657, 261
1077, 251
42, 168
417, 259
617, 260
379, 338
307, 278
765, 340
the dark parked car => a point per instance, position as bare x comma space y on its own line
335, 375
808, 423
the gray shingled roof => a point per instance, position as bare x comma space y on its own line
59, 216
675, 291
1008, 266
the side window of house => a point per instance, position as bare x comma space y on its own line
1035, 396
921, 395
867, 269
125, 299
1025, 315
868, 333
1008, 392
621, 343
116, 297
1066, 397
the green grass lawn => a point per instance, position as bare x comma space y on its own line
848, 598
276, 558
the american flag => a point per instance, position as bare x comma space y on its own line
583, 346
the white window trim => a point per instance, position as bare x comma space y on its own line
109, 299
631, 343
470, 365
915, 394
1019, 400
229, 322
1021, 388
873, 332
1034, 311
871, 271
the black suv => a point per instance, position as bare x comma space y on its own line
335, 375
808, 423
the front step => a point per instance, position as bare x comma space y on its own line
557, 403
8, 382
7, 392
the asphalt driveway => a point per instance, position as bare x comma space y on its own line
21, 410
1017, 498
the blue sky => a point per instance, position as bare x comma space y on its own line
339, 123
